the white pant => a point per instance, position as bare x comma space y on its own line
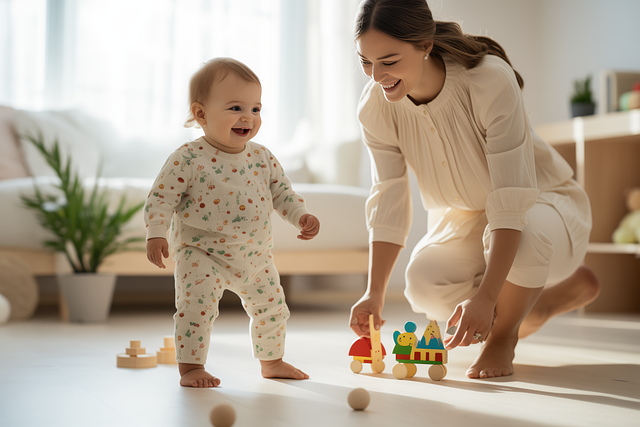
200, 280
442, 275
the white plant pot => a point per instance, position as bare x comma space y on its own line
87, 295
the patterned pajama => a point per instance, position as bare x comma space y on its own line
201, 278
219, 207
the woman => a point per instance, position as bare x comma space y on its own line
509, 227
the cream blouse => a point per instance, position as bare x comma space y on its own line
472, 150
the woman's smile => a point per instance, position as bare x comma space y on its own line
388, 88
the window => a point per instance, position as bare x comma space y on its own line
129, 62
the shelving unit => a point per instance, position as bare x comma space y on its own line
613, 248
604, 151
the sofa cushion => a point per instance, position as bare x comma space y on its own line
341, 211
339, 208
71, 128
19, 226
12, 164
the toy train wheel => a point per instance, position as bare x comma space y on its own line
411, 370
356, 366
437, 372
400, 371
377, 367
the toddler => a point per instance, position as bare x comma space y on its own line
219, 192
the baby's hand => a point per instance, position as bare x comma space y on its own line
310, 227
156, 249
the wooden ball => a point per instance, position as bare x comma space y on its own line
223, 416
359, 399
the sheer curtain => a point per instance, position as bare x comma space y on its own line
129, 62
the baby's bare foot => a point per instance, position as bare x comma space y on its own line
196, 376
495, 359
281, 369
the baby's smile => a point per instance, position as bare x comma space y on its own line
241, 131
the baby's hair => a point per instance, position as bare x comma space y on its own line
210, 72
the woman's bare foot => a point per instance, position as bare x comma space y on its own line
281, 369
193, 375
495, 359
580, 289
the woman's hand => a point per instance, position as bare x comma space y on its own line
156, 249
473, 316
310, 227
359, 320
476, 315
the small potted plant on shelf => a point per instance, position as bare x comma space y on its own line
581, 101
86, 228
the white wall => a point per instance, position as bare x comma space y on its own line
582, 37
553, 42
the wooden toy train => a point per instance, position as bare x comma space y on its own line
368, 350
409, 350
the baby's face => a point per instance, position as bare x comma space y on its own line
232, 113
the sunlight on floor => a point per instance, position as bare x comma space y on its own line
576, 371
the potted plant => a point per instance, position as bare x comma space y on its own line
581, 101
86, 229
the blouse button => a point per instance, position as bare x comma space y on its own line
433, 129
444, 163
424, 112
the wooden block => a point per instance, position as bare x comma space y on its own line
137, 362
377, 365
136, 351
167, 356
135, 357
169, 343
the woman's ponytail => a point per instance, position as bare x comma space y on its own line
465, 48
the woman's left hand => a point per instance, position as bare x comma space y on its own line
474, 319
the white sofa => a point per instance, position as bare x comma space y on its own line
340, 248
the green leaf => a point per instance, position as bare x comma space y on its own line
85, 229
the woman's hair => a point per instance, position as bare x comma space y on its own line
210, 72
411, 21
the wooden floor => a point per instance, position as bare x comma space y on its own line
577, 371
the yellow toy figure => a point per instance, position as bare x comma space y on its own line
428, 350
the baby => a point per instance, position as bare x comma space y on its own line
218, 193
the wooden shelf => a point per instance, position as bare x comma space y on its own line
602, 126
614, 248
604, 151
621, 127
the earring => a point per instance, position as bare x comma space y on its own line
426, 56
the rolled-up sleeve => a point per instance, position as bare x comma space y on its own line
388, 208
509, 147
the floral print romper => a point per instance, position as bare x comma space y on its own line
220, 206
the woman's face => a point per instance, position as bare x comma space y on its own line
397, 66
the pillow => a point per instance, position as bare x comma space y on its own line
12, 163
76, 137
